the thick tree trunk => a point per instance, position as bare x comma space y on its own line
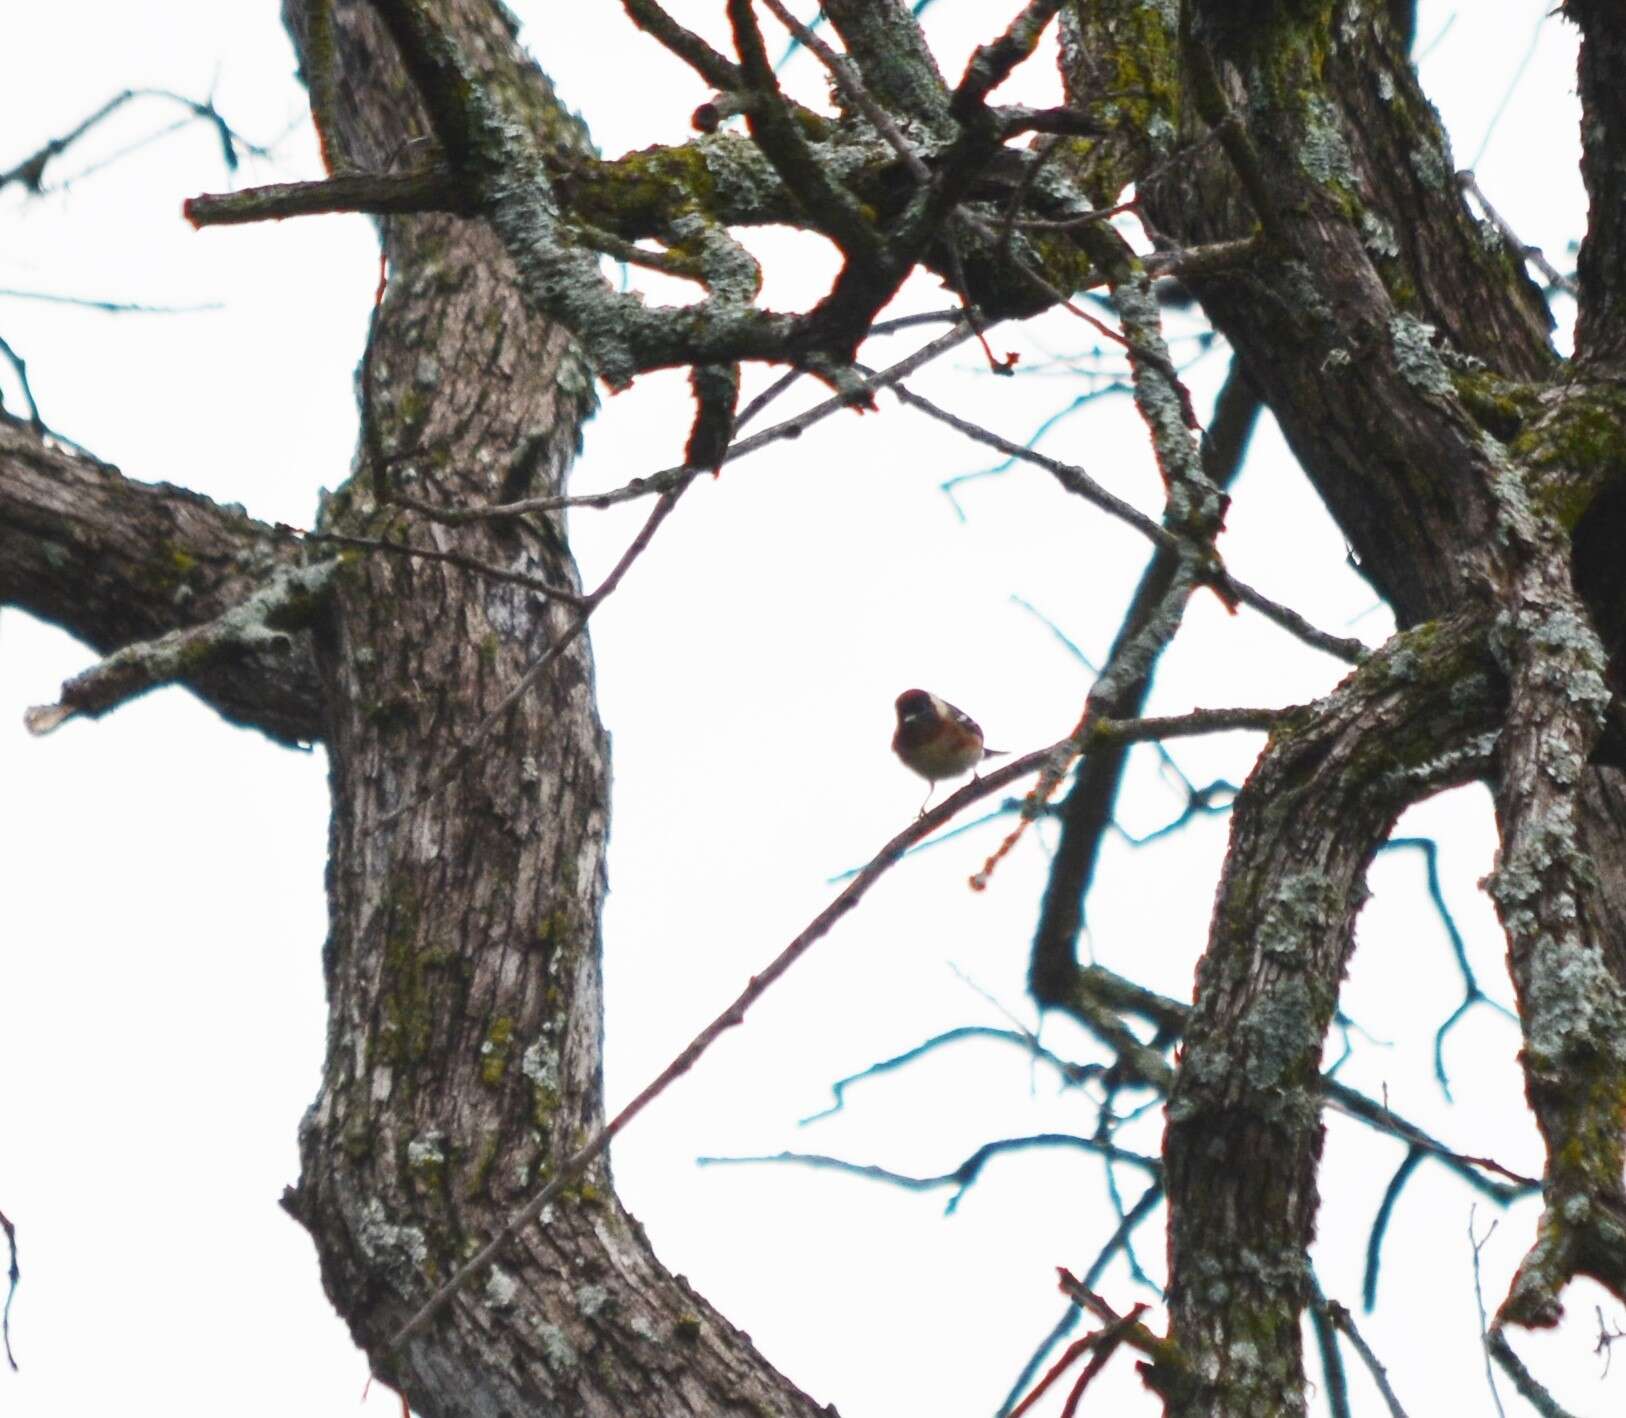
1402, 350
1404, 353
463, 955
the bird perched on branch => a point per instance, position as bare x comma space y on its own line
936, 740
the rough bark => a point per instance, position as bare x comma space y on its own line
1600, 329
1244, 1126
112, 561
1401, 348
1405, 355
463, 952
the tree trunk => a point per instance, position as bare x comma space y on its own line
1397, 341
1404, 353
463, 956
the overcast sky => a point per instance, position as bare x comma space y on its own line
161, 1013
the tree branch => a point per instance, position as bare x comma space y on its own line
381, 194
285, 603
1244, 1133
1600, 328
1087, 811
116, 562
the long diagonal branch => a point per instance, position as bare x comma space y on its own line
734, 1014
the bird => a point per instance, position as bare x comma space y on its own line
936, 740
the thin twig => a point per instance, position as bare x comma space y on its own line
442, 775
1533, 254
1160, 1351
13, 1276
20, 367
681, 478
1072, 1073
1607, 1339
1340, 647
1530, 1389
1472, 994
1111, 1338
853, 89
766, 397
1115, 993
1056, 1370
1076, 481
451, 558
110, 307
719, 71
1477, 1244
1380, 1224
574, 1165
1343, 1320
1378, 1115
1332, 1363
1104, 1342
668, 478
1073, 478
31, 170
961, 1177
1072, 223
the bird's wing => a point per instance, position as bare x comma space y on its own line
964, 720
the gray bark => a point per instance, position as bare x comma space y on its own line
1397, 341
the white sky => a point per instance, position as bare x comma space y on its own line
162, 873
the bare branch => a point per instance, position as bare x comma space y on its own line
1332, 1364
1118, 1241
13, 1275
1380, 1223
668, 478
30, 172
1163, 1354
1472, 994
963, 1176
110, 307
852, 87
1528, 1386
1533, 254
1341, 647
1477, 1244
1071, 1073
733, 1015
776, 133
448, 558
20, 368
719, 72
1075, 480
434, 190
1103, 1343
1343, 1320
991, 64
113, 561
266, 618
